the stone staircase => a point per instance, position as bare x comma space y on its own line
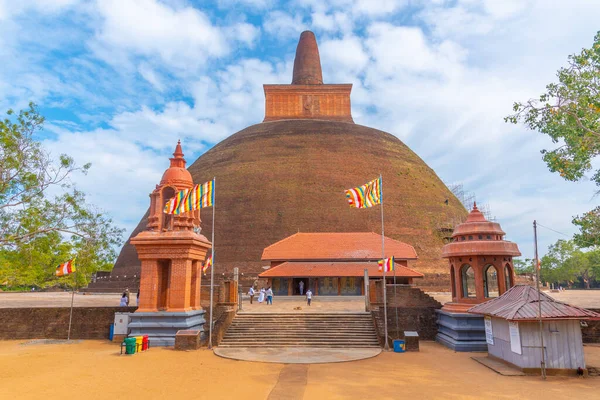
326, 330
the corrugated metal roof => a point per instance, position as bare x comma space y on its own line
521, 303
337, 246
327, 269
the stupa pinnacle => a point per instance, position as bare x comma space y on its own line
307, 64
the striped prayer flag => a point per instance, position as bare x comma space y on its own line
387, 263
187, 200
366, 195
65, 268
207, 264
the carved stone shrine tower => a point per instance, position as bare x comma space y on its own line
171, 254
481, 268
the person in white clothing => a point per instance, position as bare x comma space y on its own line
123, 302
301, 287
308, 296
261, 295
251, 294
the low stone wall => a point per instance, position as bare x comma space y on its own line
53, 323
591, 333
409, 309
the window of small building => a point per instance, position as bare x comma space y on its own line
452, 281
508, 277
490, 281
468, 281
489, 237
470, 237
480, 237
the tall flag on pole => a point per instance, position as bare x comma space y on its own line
366, 195
65, 268
187, 200
207, 264
387, 264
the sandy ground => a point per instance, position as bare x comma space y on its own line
94, 370
581, 298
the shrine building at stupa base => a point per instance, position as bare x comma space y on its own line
333, 264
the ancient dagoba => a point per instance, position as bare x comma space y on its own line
171, 254
288, 174
481, 268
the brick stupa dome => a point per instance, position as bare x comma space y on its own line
288, 174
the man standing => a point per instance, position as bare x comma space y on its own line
308, 296
301, 287
269, 295
251, 294
127, 295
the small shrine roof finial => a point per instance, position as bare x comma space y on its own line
178, 152
307, 64
474, 205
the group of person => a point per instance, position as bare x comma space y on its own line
268, 294
125, 298
262, 295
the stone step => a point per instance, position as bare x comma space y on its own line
320, 345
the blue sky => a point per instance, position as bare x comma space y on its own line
121, 81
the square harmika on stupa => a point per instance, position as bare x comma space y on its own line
288, 174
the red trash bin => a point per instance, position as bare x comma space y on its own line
145, 343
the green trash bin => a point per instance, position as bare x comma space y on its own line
130, 345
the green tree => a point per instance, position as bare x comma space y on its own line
565, 262
44, 219
523, 266
569, 113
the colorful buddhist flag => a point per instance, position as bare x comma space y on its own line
387, 263
366, 195
207, 264
187, 200
66, 268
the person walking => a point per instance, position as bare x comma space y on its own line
251, 294
308, 296
123, 302
301, 287
261, 295
269, 295
127, 295
137, 298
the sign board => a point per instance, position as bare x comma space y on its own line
489, 333
515, 337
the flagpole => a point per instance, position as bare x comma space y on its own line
72, 299
386, 346
212, 268
396, 304
537, 274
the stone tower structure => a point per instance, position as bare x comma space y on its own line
171, 254
481, 268
288, 173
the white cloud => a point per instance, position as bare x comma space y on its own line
151, 76
281, 25
183, 37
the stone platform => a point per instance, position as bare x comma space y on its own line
161, 327
296, 355
461, 331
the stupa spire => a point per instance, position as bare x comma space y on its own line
178, 160
307, 64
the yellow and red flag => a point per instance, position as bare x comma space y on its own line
66, 268
366, 195
187, 200
387, 263
207, 264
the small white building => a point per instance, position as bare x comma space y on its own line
513, 332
